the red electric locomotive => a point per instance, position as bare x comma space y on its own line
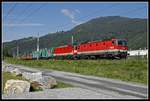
114, 48
63, 52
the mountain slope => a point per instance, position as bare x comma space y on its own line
134, 29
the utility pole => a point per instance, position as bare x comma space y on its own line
38, 47
17, 50
72, 39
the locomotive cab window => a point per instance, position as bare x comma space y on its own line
75, 48
113, 42
122, 42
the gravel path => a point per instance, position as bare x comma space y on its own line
63, 93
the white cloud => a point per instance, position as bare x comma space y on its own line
71, 15
22, 24
76, 22
68, 13
77, 11
73, 21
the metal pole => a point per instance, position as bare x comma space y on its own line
17, 50
38, 47
72, 39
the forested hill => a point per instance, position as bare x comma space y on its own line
134, 29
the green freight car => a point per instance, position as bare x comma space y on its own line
43, 53
35, 54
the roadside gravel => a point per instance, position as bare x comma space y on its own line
63, 93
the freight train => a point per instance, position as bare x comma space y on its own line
112, 48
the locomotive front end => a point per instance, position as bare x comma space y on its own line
121, 47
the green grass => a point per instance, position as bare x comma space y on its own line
63, 85
131, 70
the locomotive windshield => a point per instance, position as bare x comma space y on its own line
122, 42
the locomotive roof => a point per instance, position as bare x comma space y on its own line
101, 40
95, 41
64, 46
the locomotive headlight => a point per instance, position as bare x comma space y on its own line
112, 47
75, 51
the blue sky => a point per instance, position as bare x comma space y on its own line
21, 20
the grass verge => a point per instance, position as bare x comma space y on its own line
131, 70
63, 85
